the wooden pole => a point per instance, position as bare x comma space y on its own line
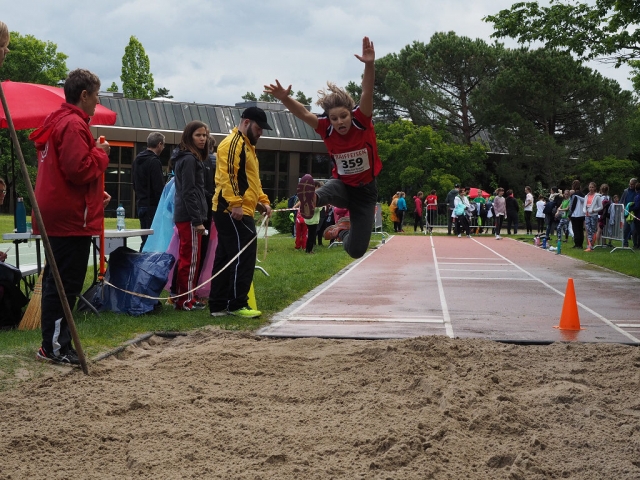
45, 238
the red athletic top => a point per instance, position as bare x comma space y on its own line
432, 202
355, 155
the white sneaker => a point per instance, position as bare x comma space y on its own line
459, 235
498, 237
468, 236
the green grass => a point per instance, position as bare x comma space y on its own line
291, 274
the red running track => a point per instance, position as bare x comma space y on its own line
476, 287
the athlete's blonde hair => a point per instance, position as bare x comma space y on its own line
4, 34
334, 97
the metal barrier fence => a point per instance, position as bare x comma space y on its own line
614, 229
442, 218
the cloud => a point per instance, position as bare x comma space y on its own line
214, 52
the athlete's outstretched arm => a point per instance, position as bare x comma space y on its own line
292, 104
368, 57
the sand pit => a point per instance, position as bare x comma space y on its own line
217, 404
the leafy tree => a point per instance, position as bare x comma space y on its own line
550, 113
431, 83
113, 87
34, 61
613, 171
607, 28
137, 79
418, 158
355, 90
267, 97
162, 93
249, 97
302, 98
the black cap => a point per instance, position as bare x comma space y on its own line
456, 186
257, 115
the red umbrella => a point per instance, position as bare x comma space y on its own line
474, 192
30, 103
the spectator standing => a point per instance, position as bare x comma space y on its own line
592, 205
563, 216
576, 215
540, 213
528, 209
209, 188
71, 165
393, 208
512, 212
451, 196
432, 210
628, 196
3, 194
402, 209
417, 213
148, 181
636, 220
190, 212
461, 211
480, 205
237, 197
499, 210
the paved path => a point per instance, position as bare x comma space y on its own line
479, 287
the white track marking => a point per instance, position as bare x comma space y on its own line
596, 314
443, 301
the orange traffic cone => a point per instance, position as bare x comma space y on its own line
569, 319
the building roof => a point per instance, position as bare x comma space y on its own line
174, 116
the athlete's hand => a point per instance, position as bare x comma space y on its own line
237, 213
264, 208
277, 90
368, 52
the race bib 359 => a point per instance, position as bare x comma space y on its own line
351, 163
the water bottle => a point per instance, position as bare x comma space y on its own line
120, 217
559, 247
536, 241
544, 242
21, 216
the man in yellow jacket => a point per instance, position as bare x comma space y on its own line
238, 195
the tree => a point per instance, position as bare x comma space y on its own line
113, 87
249, 97
34, 61
431, 83
137, 79
550, 113
302, 98
418, 158
162, 93
607, 29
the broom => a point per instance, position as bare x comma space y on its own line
31, 318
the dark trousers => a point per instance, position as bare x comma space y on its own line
512, 220
311, 237
72, 256
499, 220
361, 202
230, 288
540, 224
527, 220
432, 218
577, 225
449, 221
145, 215
417, 221
462, 223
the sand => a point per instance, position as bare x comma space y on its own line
216, 404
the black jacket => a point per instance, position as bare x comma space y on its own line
148, 180
190, 202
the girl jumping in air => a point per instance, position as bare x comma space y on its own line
347, 131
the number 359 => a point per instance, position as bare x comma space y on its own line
352, 163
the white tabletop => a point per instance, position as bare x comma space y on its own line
134, 232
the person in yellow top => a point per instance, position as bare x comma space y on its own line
237, 197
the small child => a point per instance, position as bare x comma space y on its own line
347, 131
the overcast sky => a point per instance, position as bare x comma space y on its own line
210, 51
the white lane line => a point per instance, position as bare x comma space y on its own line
473, 270
628, 325
474, 263
596, 314
341, 318
443, 301
491, 278
470, 258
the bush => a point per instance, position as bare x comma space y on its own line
281, 221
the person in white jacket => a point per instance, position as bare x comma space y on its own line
591, 207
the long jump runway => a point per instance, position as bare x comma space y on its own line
467, 288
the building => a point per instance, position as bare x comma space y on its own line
286, 153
